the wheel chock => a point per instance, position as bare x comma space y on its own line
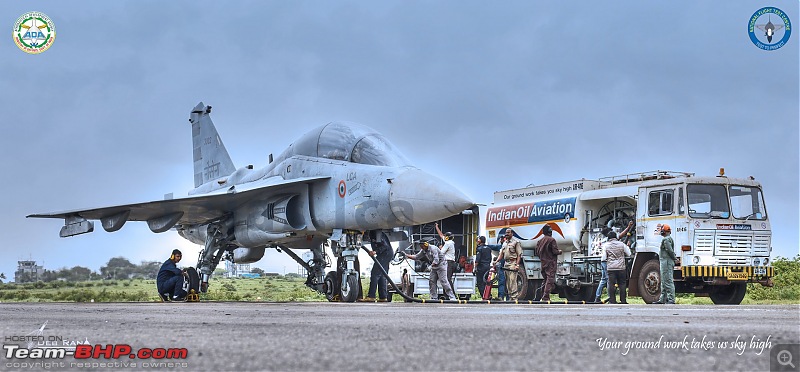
192, 296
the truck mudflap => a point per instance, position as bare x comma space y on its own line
732, 273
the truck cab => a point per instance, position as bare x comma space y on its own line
721, 231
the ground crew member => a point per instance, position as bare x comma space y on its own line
169, 281
405, 283
483, 261
548, 252
498, 269
603, 264
382, 251
614, 253
449, 250
666, 258
438, 269
512, 253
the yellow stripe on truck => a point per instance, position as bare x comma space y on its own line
722, 271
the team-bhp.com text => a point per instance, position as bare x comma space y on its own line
120, 351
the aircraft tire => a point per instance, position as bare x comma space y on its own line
353, 289
332, 286
194, 279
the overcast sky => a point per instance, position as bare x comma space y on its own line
487, 95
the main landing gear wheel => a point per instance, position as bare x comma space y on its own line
193, 279
650, 281
332, 286
731, 294
351, 292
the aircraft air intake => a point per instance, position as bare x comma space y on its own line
286, 210
270, 220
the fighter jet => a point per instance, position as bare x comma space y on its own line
325, 190
769, 29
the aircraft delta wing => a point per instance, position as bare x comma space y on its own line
161, 215
329, 187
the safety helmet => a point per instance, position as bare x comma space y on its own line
448, 235
666, 228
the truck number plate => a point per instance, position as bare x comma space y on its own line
732, 275
759, 271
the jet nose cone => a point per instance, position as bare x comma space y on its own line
417, 197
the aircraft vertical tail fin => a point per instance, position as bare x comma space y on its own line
211, 159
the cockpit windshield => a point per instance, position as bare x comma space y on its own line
349, 142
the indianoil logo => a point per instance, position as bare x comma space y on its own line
34, 32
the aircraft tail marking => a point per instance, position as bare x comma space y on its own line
211, 159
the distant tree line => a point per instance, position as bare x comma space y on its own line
121, 268
116, 268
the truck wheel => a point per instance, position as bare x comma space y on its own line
536, 289
650, 281
577, 294
731, 294
409, 293
590, 294
530, 290
522, 284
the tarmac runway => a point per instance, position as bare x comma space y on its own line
406, 336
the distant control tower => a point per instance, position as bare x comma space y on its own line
28, 271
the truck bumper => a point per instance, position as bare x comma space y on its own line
751, 274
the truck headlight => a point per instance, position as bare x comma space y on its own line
766, 261
756, 261
695, 259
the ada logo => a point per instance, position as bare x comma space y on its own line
34, 32
769, 24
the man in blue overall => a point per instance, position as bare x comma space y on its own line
170, 279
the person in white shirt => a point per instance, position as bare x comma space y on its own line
449, 250
614, 253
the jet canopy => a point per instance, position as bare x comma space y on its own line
349, 142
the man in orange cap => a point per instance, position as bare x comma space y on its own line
667, 259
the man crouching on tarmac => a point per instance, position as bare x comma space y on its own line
438, 269
170, 279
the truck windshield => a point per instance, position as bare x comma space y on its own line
747, 203
708, 201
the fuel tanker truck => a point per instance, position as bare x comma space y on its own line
720, 227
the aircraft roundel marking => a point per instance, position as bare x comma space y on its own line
342, 188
